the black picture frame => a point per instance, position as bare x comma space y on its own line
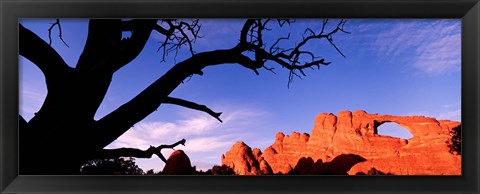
11, 11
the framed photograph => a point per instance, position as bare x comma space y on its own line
226, 96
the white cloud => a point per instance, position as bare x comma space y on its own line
197, 125
31, 101
208, 144
206, 137
450, 111
203, 165
455, 104
214, 34
432, 46
439, 56
192, 124
219, 33
451, 115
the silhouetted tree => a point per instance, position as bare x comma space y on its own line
64, 129
455, 143
222, 170
150, 172
118, 166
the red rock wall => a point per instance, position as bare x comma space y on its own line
351, 138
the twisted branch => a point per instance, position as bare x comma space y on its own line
193, 105
137, 153
295, 58
42, 55
178, 34
120, 120
57, 23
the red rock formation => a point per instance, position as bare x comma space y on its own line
178, 163
244, 161
351, 138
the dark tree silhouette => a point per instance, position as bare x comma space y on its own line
117, 166
455, 143
64, 129
222, 170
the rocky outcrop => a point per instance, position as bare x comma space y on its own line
350, 144
178, 163
246, 161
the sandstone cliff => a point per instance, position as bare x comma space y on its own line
349, 144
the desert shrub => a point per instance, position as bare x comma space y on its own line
118, 166
455, 143
201, 172
222, 170
152, 172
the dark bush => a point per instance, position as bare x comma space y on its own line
119, 166
455, 143
222, 170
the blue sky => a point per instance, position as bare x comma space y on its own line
392, 66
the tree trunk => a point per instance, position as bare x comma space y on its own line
63, 134
57, 137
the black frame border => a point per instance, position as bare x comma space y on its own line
11, 11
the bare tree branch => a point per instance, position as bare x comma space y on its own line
293, 58
57, 23
193, 105
102, 45
245, 29
131, 47
42, 55
124, 117
137, 153
106, 51
120, 120
178, 34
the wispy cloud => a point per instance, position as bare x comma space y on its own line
454, 115
454, 105
431, 46
206, 137
31, 100
214, 34
207, 144
144, 134
451, 115
440, 56
219, 33
450, 111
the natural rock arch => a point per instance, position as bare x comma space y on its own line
428, 152
392, 129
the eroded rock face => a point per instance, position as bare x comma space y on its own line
245, 161
349, 144
178, 163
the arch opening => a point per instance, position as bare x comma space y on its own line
126, 34
393, 130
